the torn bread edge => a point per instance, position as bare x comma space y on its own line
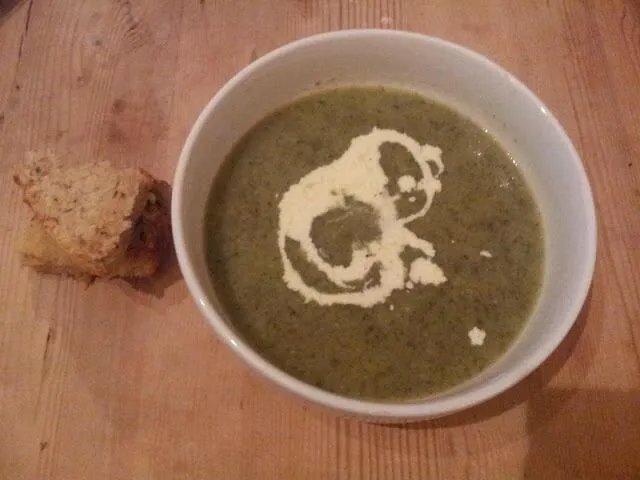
93, 220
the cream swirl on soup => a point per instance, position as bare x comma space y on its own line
358, 176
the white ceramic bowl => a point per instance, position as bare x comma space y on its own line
461, 78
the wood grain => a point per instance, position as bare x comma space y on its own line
125, 381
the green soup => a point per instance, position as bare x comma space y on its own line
421, 338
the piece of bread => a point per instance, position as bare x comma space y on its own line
92, 220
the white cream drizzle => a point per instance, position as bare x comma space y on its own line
407, 183
425, 272
357, 174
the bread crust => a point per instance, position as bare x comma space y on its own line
92, 220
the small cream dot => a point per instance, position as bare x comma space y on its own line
406, 183
477, 336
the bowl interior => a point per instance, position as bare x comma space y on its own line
469, 83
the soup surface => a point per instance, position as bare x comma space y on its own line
355, 255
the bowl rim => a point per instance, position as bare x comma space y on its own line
430, 407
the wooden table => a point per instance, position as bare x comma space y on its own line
118, 381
